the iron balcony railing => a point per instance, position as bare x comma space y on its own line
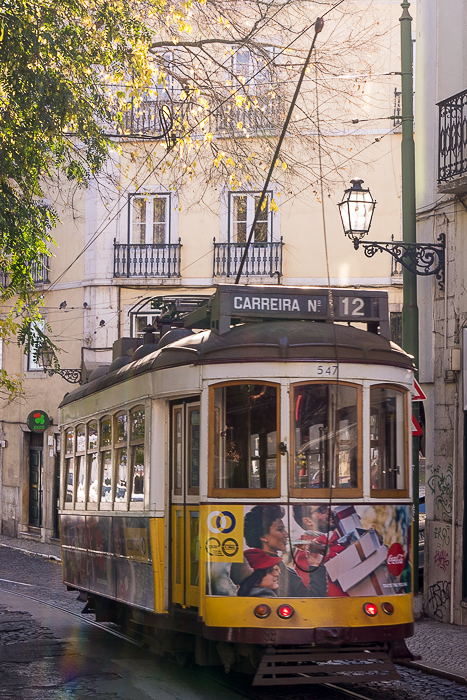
40, 270
263, 259
452, 148
147, 259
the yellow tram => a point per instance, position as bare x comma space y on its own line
238, 489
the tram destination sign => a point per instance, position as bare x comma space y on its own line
304, 303
233, 304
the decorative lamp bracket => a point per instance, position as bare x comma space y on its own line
422, 259
73, 376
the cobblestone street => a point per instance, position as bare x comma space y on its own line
48, 655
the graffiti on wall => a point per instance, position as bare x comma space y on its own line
440, 485
442, 559
439, 595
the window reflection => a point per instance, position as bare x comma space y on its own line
122, 476
137, 490
106, 488
137, 425
92, 436
387, 438
80, 438
245, 436
81, 480
69, 470
326, 436
121, 427
106, 432
93, 466
69, 440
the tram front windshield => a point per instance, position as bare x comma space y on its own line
245, 426
326, 437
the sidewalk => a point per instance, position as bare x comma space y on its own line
443, 648
30, 546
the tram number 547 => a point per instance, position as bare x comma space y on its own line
326, 370
352, 306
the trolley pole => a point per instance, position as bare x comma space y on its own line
409, 235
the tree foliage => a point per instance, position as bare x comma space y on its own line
60, 64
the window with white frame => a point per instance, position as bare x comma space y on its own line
252, 69
32, 359
150, 219
242, 207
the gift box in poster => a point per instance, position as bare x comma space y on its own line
366, 569
347, 519
353, 555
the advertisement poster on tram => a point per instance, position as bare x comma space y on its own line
308, 550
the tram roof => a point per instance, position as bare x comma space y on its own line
267, 341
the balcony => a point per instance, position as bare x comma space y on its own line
40, 270
452, 148
263, 259
147, 260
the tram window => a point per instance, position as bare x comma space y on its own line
92, 436
245, 436
121, 422
326, 436
194, 548
193, 450
80, 479
387, 438
106, 432
106, 488
137, 429
93, 471
122, 476
137, 458
80, 438
137, 425
177, 448
69, 471
69, 435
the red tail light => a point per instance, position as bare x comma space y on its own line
262, 610
370, 609
285, 611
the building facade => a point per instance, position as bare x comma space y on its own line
441, 170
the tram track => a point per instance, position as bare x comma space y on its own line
237, 687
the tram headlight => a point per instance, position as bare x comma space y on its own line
370, 609
388, 608
262, 610
285, 611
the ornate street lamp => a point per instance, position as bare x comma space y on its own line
356, 210
73, 376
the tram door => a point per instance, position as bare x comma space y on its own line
185, 433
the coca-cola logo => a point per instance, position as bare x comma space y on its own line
395, 559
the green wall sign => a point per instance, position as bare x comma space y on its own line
38, 421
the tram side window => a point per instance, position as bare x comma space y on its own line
69, 465
122, 475
93, 462
69, 470
326, 436
80, 464
387, 438
106, 459
245, 436
106, 487
137, 429
121, 457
